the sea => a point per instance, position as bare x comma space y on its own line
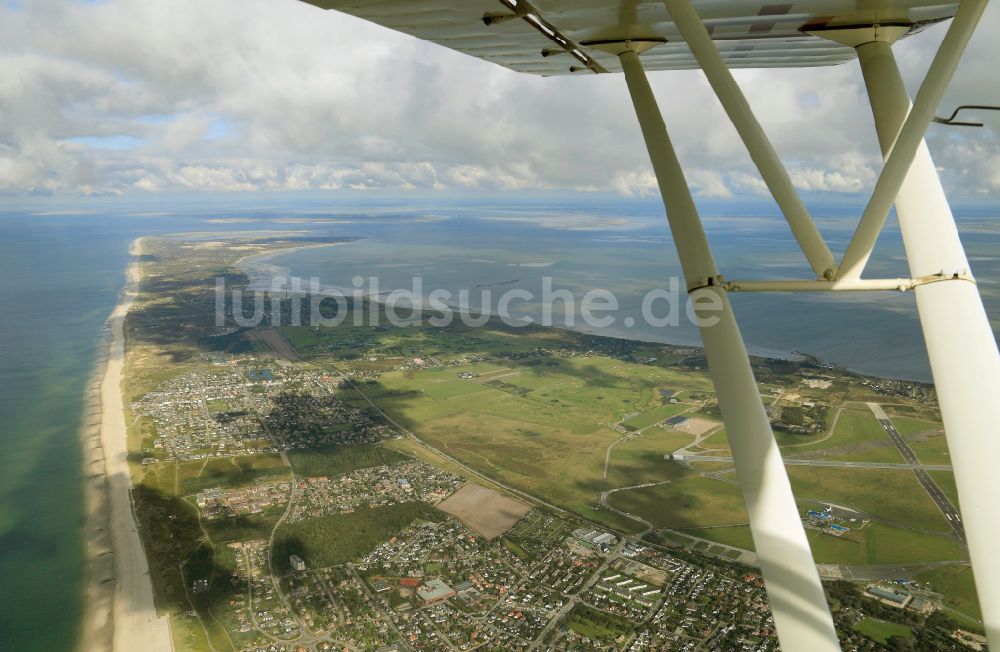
63, 267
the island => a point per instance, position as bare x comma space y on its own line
369, 486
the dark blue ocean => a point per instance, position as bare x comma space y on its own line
63, 266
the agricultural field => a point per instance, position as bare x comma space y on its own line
486, 511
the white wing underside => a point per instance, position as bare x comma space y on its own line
749, 33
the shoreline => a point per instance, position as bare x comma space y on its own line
263, 254
119, 613
249, 266
119, 610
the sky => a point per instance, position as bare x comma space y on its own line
143, 96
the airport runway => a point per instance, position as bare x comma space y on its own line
949, 510
914, 466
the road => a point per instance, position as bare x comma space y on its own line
647, 524
915, 465
949, 510
827, 571
607, 454
530, 499
534, 500
629, 435
577, 597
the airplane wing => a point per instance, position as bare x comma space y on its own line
562, 37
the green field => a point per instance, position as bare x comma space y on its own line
641, 459
716, 443
856, 425
737, 536
244, 528
337, 460
689, 500
888, 544
881, 631
597, 625
878, 544
885, 452
792, 442
873, 545
894, 496
933, 450
229, 472
339, 538
958, 587
909, 425
217, 405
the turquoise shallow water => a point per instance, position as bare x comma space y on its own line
60, 275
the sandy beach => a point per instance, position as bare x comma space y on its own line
120, 616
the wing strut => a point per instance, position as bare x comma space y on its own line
801, 614
761, 151
910, 135
961, 347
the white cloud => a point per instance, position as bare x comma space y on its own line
632, 183
748, 182
708, 183
235, 95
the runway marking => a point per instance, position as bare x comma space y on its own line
920, 470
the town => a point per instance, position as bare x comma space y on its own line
541, 582
377, 488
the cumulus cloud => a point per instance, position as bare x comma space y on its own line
233, 95
708, 183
